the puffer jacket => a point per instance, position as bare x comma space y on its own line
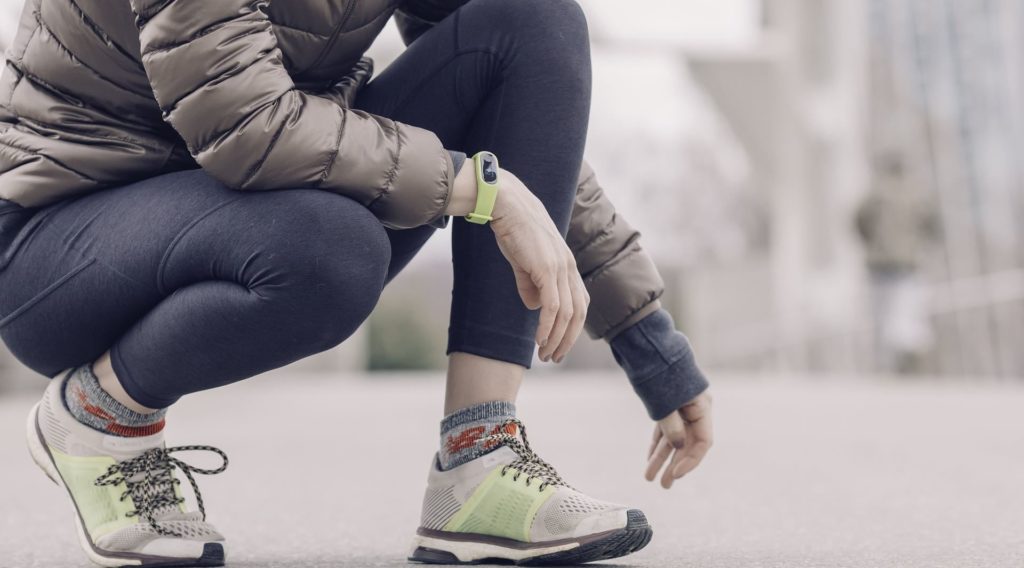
99, 93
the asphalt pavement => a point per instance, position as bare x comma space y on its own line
328, 470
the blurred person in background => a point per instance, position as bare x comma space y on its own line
898, 224
195, 193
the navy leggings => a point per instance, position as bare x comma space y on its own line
192, 285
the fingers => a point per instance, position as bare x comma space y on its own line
661, 453
693, 444
666, 476
699, 438
564, 317
654, 441
580, 301
687, 460
547, 283
671, 433
673, 428
686, 436
527, 289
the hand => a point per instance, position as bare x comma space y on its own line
544, 267
686, 434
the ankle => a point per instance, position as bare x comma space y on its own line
103, 370
474, 380
463, 431
93, 406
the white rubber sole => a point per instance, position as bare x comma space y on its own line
45, 463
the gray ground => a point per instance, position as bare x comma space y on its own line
328, 471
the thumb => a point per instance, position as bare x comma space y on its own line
527, 289
674, 429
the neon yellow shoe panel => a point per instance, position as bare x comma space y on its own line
101, 507
503, 505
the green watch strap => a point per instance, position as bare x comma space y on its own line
485, 164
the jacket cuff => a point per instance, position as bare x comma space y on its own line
659, 363
458, 158
419, 185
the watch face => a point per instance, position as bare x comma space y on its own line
489, 168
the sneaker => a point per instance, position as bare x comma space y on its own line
128, 508
510, 506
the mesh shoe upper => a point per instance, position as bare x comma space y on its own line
188, 526
115, 514
510, 493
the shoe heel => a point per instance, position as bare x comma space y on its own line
36, 448
436, 551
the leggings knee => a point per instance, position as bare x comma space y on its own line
560, 23
543, 36
326, 263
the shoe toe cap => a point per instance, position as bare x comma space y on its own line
601, 521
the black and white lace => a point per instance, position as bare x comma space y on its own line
150, 482
528, 463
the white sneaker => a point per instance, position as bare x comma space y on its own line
511, 506
128, 509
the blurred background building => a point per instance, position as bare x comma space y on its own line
829, 186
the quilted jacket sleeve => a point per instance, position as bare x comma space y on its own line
623, 282
217, 74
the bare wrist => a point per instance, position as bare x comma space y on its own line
463, 198
505, 203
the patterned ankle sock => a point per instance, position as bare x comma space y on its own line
92, 406
462, 430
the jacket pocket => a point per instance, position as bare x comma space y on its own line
45, 293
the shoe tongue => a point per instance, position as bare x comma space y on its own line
122, 448
501, 456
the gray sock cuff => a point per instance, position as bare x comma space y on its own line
483, 411
125, 416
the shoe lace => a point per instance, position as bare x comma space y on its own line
149, 480
528, 463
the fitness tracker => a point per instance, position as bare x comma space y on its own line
486, 166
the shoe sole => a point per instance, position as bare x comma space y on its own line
213, 553
430, 547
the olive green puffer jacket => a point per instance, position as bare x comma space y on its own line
98, 93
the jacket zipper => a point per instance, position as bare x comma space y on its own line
334, 35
